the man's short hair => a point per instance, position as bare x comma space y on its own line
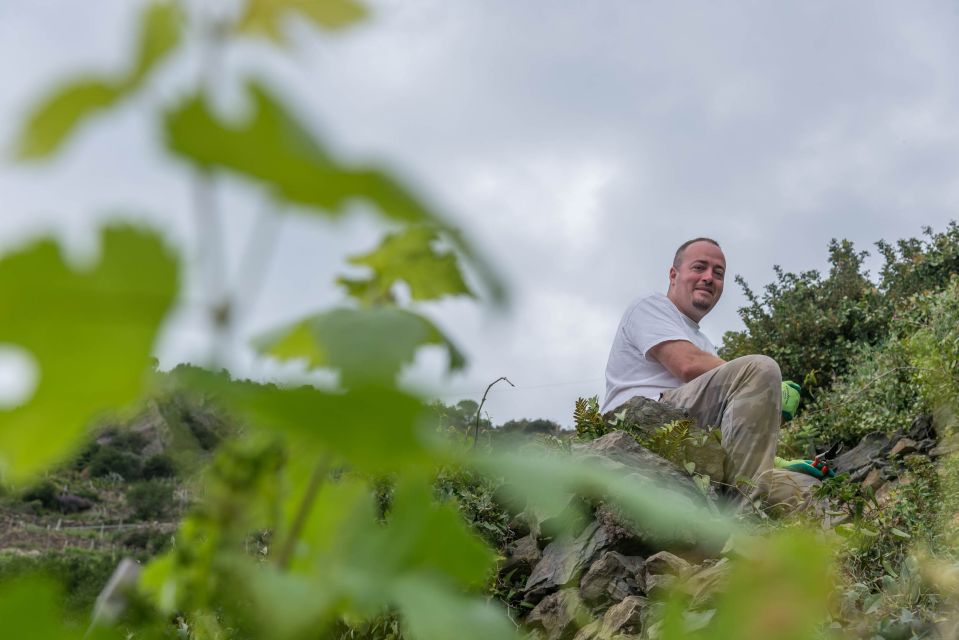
678, 259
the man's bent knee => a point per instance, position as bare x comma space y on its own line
761, 366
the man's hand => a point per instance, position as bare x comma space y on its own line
684, 360
790, 399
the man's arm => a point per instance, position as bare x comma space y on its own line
683, 359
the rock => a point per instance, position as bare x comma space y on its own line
904, 447
590, 631
666, 563
658, 586
564, 560
523, 554
153, 426
624, 618
702, 585
870, 448
558, 615
742, 546
874, 480
922, 428
69, 503
948, 446
619, 451
646, 416
612, 578
572, 519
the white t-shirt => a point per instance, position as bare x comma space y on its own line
649, 320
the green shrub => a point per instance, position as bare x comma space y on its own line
83, 575
109, 460
159, 466
149, 542
877, 393
44, 493
812, 326
151, 500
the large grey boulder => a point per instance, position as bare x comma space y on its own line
867, 453
559, 615
612, 578
646, 416
564, 561
620, 452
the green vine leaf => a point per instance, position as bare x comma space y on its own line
54, 119
371, 429
265, 17
52, 122
160, 32
90, 332
272, 147
409, 256
367, 346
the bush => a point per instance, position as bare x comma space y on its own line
159, 466
151, 500
109, 459
877, 393
147, 541
83, 575
811, 326
44, 493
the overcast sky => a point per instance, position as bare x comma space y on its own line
576, 143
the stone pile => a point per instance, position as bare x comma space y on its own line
598, 576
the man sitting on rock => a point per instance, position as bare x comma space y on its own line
660, 353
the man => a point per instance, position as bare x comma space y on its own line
660, 353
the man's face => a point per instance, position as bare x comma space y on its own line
696, 285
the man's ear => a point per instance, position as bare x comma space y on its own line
672, 276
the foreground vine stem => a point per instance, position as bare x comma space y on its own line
285, 555
480, 408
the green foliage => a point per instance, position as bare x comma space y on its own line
589, 422
276, 150
812, 326
266, 17
365, 345
81, 574
934, 349
108, 460
877, 393
56, 118
409, 256
159, 466
151, 500
90, 333
45, 493
671, 440
780, 591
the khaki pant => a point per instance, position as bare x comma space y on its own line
742, 398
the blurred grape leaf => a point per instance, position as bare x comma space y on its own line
666, 513
31, 608
265, 17
275, 149
160, 32
370, 429
782, 589
52, 122
54, 119
365, 345
409, 256
425, 537
90, 332
432, 613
